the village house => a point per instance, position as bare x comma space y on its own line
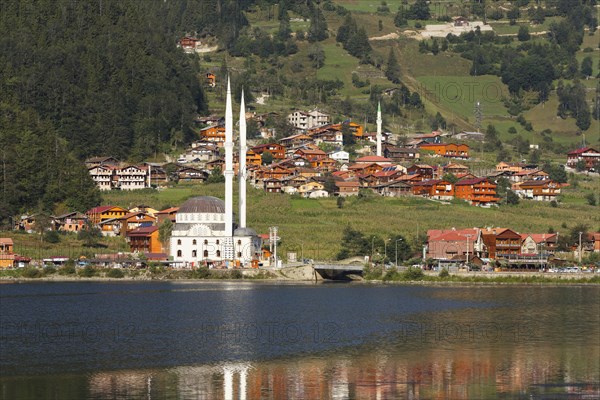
272, 185
478, 191
167, 213
438, 189
340, 156
157, 175
528, 175
192, 174
424, 171
537, 243
295, 141
495, 243
451, 150
356, 129
131, 177
103, 213
70, 222
276, 150
102, 175
589, 157
434, 137
446, 244
393, 189
8, 258
347, 188
188, 44
307, 120
400, 154
540, 190
455, 169
213, 134
144, 240
106, 161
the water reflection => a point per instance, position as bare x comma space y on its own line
337, 342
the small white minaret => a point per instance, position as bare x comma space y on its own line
242, 163
228, 164
379, 129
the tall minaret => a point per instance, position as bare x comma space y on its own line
228, 164
379, 129
242, 163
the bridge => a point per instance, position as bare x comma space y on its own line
338, 271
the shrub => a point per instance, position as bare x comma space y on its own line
87, 272
413, 274
31, 272
67, 269
444, 273
236, 274
51, 237
115, 273
49, 271
201, 273
392, 275
512, 129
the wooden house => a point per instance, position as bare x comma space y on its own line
144, 240
478, 191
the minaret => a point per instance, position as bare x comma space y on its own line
228, 164
379, 129
242, 163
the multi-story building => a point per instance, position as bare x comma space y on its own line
131, 177
477, 191
307, 120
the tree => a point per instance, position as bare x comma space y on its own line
586, 67
266, 158
420, 10
90, 235
317, 56
317, 30
523, 34
450, 177
353, 244
591, 199
347, 135
392, 71
435, 47
511, 197
340, 201
164, 232
216, 176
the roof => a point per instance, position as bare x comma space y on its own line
347, 184
203, 204
539, 237
581, 150
372, 159
473, 181
143, 231
169, 210
5, 241
99, 209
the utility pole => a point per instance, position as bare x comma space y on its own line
580, 233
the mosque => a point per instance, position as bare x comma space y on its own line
204, 231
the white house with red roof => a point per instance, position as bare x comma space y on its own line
590, 156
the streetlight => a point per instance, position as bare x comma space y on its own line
468, 236
580, 233
385, 251
397, 240
372, 248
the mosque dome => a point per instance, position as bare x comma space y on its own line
202, 204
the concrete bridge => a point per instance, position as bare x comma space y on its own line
338, 271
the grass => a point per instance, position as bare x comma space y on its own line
315, 226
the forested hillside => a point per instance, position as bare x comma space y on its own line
87, 78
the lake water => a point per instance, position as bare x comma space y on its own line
248, 340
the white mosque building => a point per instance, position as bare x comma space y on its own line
204, 231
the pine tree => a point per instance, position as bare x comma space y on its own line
392, 71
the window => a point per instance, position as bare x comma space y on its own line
239, 242
194, 253
178, 253
178, 241
218, 253
205, 241
239, 254
205, 253
194, 242
217, 242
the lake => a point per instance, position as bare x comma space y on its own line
272, 340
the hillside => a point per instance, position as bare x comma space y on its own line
109, 79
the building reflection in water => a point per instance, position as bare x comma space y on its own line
438, 374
